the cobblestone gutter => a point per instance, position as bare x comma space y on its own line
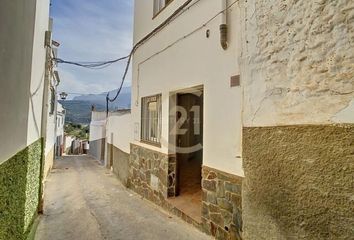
19, 192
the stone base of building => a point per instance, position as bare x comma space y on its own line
19, 191
152, 175
119, 162
148, 173
298, 182
222, 205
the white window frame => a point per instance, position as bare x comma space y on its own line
159, 5
151, 120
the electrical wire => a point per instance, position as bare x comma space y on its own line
90, 65
70, 93
175, 14
100, 65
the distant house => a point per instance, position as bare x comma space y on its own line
97, 138
68, 144
119, 129
60, 137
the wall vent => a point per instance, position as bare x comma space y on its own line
235, 81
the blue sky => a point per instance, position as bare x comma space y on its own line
92, 30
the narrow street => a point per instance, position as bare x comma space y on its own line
83, 200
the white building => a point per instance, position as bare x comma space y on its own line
248, 133
51, 108
119, 129
186, 108
68, 144
97, 138
60, 136
25, 50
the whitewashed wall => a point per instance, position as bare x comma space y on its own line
195, 60
60, 120
68, 141
50, 134
98, 126
119, 130
38, 71
21, 81
298, 68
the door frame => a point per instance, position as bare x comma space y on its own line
173, 137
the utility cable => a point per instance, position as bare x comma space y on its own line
174, 15
141, 42
91, 65
177, 13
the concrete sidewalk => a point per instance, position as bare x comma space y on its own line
85, 201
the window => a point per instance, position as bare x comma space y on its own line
151, 119
159, 5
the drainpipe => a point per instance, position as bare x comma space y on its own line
55, 114
44, 120
223, 25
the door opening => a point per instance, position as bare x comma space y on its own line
189, 153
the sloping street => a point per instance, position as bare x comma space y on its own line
83, 200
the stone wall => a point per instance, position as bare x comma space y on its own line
298, 182
297, 61
120, 163
222, 208
148, 173
19, 192
152, 175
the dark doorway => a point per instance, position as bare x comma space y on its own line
189, 142
190, 156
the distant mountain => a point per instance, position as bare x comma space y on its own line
78, 110
122, 102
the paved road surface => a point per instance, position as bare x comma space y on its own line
85, 201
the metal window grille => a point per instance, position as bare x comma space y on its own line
151, 119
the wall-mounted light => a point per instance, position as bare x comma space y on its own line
63, 95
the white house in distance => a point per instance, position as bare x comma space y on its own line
118, 138
60, 137
241, 123
97, 138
